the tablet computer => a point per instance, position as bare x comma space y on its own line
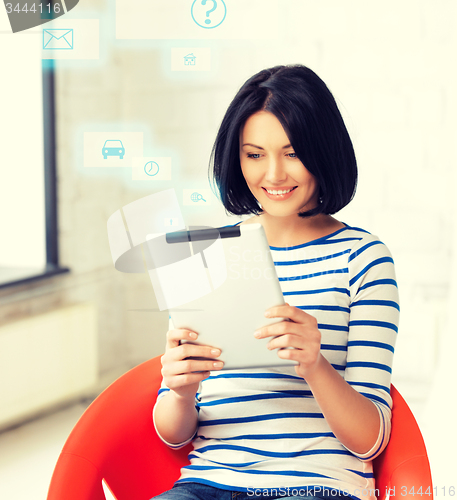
228, 316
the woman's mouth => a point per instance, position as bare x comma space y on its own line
279, 194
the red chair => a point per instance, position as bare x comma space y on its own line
403, 469
115, 440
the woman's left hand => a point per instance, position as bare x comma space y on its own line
300, 333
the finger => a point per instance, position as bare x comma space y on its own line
276, 329
174, 337
292, 354
186, 379
196, 351
289, 312
302, 357
187, 366
287, 341
188, 350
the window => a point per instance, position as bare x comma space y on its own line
28, 209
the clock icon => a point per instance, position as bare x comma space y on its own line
151, 168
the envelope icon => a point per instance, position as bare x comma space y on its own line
58, 39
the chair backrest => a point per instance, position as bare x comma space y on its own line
403, 468
115, 440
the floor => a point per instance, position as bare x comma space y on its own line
28, 454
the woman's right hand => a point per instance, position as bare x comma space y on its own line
182, 375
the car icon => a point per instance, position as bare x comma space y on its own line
113, 148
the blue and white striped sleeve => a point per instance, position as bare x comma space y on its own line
373, 327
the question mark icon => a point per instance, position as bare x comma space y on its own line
208, 21
201, 16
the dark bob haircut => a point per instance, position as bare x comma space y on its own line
307, 110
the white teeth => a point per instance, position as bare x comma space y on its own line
278, 192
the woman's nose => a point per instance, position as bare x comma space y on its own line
275, 172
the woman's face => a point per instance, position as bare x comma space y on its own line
269, 163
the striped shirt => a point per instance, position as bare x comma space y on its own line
262, 428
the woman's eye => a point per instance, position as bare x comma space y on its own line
292, 155
254, 155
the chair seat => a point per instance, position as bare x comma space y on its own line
115, 440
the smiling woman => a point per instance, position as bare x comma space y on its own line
283, 154
311, 129
273, 171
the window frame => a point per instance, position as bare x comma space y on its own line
52, 266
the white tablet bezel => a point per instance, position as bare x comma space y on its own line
228, 316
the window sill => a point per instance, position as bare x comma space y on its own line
13, 276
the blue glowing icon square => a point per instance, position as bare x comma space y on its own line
198, 20
71, 39
190, 60
194, 197
58, 39
113, 147
151, 169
